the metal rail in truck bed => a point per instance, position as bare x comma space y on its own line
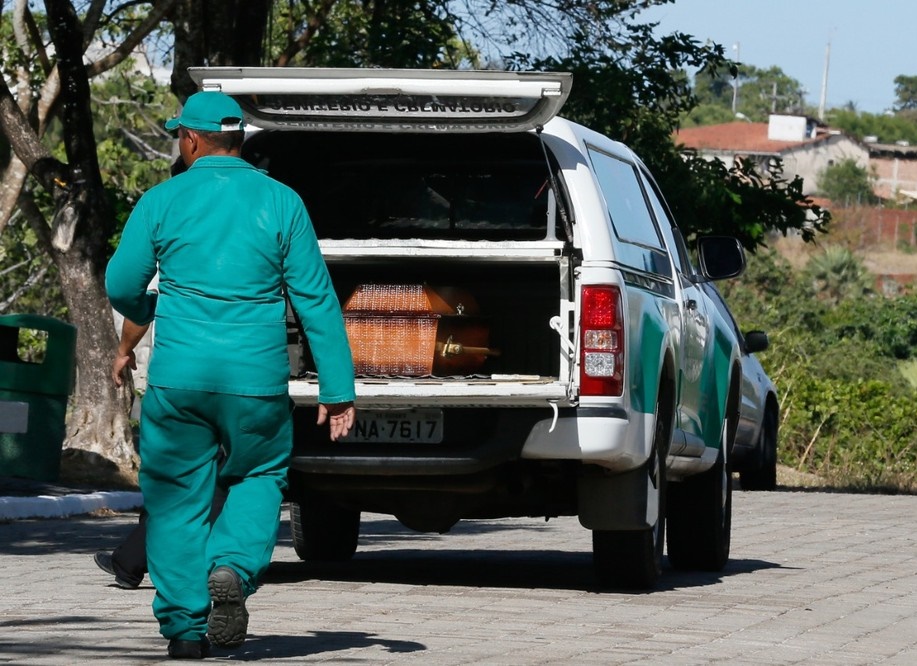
487, 251
506, 391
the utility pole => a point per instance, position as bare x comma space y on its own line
735, 84
824, 85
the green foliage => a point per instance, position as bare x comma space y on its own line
886, 128
134, 150
909, 370
765, 91
134, 153
28, 277
888, 324
760, 91
905, 92
706, 113
846, 182
354, 33
636, 92
846, 409
856, 434
836, 275
32, 345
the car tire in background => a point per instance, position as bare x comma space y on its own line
764, 477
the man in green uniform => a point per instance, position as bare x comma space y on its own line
228, 242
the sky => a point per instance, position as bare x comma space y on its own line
871, 42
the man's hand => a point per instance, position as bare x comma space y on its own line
131, 334
340, 416
121, 362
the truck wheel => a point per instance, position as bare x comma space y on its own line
700, 519
765, 477
632, 559
323, 531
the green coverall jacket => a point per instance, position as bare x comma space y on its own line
227, 241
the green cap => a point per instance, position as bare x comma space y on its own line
209, 112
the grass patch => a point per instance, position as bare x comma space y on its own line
908, 368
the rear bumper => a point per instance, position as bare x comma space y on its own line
604, 436
479, 439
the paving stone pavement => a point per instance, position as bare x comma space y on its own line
815, 578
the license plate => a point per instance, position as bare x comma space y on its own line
424, 426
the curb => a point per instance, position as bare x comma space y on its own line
47, 506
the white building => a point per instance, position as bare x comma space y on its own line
805, 146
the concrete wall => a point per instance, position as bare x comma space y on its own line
809, 160
894, 174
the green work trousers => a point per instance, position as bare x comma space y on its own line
181, 433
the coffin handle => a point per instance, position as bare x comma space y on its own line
450, 348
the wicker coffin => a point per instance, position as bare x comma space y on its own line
414, 330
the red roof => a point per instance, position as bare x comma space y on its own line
741, 137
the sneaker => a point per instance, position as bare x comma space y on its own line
228, 621
104, 561
182, 649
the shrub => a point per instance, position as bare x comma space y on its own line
846, 408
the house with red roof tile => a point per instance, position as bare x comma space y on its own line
806, 146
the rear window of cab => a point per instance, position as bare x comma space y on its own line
364, 185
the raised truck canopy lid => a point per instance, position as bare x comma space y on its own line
403, 100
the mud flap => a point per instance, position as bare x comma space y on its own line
626, 501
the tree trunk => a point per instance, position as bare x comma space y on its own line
99, 434
215, 33
99, 445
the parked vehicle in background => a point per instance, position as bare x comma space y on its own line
530, 335
755, 449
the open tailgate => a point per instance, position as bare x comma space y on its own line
389, 100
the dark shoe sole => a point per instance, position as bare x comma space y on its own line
125, 584
228, 621
181, 649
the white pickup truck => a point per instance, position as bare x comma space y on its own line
528, 329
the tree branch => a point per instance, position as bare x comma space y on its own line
28, 210
25, 141
40, 49
24, 287
10, 186
126, 47
35, 218
299, 44
91, 21
148, 151
76, 112
17, 170
14, 267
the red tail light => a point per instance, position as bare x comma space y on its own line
601, 341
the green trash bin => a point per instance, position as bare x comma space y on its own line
33, 397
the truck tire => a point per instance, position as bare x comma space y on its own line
765, 476
632, 559
323, 531
700, 519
